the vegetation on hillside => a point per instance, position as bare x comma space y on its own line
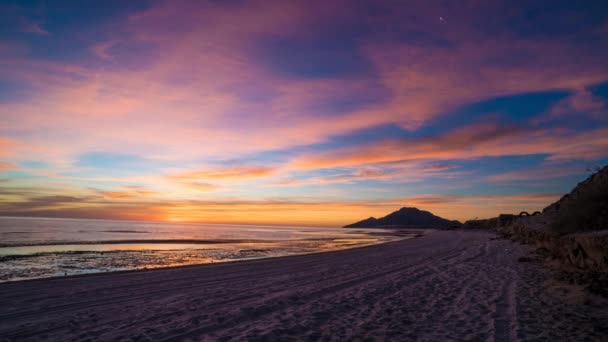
585, 208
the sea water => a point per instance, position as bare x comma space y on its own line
47, 247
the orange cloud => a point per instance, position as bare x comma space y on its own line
116, 194
7, 167
199, 186
7, 146
228, 173
200, 180
126, 192
319, 212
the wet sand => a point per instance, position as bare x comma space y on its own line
447, 285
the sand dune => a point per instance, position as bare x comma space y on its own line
447, 285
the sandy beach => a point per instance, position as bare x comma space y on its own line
447, 285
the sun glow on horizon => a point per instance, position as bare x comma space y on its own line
167, 111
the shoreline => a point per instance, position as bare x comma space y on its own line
444, 285
131, 241
416, 233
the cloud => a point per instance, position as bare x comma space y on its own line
17, 18
140, 190
203, 180
200, 186
101, 50
431, 199
387, 172
29, 26
4, 167
435, 67
447, 199
126, 192
581, 102
139, 211
51, 200
228, 173
7, 146
275, 210
473, 141
543, 173
357, 175
116, 194
438, 167
35, 203
178, 83
204, 62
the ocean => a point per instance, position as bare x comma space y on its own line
48, 247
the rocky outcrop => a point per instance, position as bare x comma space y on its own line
581, 191
575, 247
406, 218
582, 258
584, 252
492, 223
572, 231
585, 208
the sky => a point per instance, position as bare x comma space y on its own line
298, 112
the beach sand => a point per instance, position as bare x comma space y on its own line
447, 285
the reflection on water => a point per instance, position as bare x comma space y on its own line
38, 248
20, 231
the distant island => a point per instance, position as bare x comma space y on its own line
406, 217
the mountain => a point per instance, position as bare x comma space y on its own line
406, 218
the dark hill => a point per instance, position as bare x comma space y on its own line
585, 208
406, 218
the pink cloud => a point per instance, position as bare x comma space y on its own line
427, 81
7, 146
101, 50
544, 172
192, 101
581, 102
474, 141
401, 172
4, 167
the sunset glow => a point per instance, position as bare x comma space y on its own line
297, 112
